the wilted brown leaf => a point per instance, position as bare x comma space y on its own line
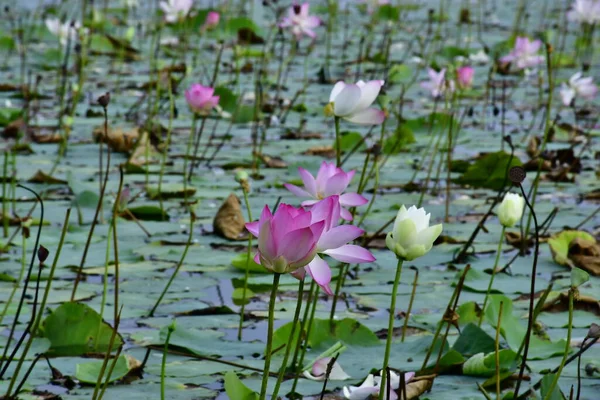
229, 221
585, 254
561, 303
272, 161
42, 177
325, 151
142, 148
119, 140
417, 386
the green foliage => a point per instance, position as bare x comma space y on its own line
88, 372
489, 171
75, 329
403, 136
236, 390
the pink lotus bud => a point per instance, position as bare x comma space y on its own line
212, 20
464, 77
200, 98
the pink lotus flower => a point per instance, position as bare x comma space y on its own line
176, 10
330, 181
437, 84
287, 240
333, 243
300, 22
578, 87
585, 11
351, 102
211, 21
525, 53
464, 77
200, 98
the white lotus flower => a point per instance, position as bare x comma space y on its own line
412, 237
352, 102
64, 31
578, 87
176, 9
363, 391
371, 386
479, 58
511, 209
319, 371
585, 11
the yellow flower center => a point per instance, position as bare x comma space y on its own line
328, 110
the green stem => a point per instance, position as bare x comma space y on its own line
390, 333
410, 304
172, 278
567, 348
289, 346
167, 145
163, 367
307, 335
497, 351
489, 288
247, 271
338, 143
265, 378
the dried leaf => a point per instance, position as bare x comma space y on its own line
272, 161
417, 386
560, 303
119, 140
50, 138
42, 177
325, 151
229, 221
585, 254
142, 148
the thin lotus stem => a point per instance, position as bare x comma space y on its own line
390, 332
303, 321
327, 373
288, 347
163, 366
453, 300
116, 243
343, 268
245, 187
491, 283
449, 316
265, 378
567, 347
449, 159
410, 304
167, 144
198, 137
338, 143
111, 342
545, 140
5, 221
38, 317
19, 279
531, 294
307, 335
187, 153
497, 351
179, 265
97, 212
483, 391
23, 293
